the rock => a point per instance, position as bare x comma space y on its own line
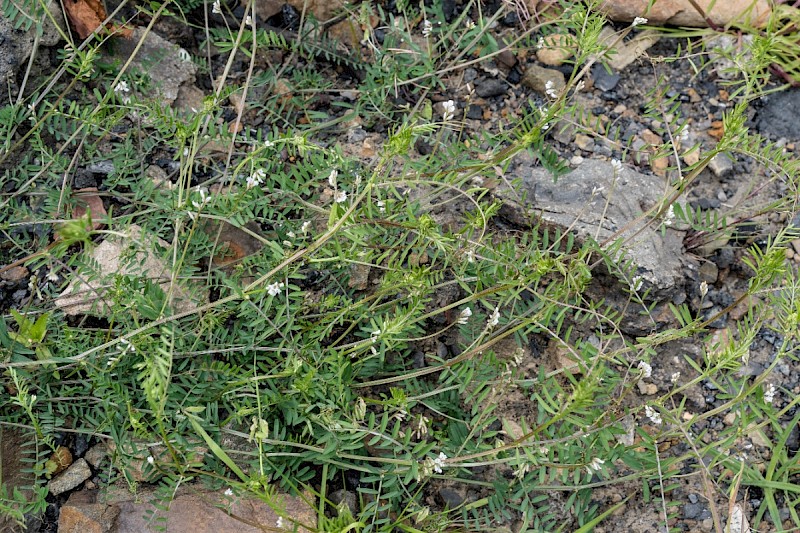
721, 165
536, 78
89, 294
682, 13
451, 498
77, 473
708, 272
82, 515
584, 142
135, 455
167, 65
626, 52
780, 116
571, 204
491, 87
346, 498
198, 510
17, 41
603, 79
15, 461
556, 49
96, 454
17, 273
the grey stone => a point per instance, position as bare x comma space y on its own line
17, 44
721, 165
96, 454
536, 78
134, 257
780, 116
346, 498
490, 87
603, 79
708, 272
570, 203
168, 66
452, 498
74, 475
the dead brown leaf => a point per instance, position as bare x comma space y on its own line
88, 200
87, 16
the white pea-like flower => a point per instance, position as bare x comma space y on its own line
769, 393
274, 289
228, 492
340, 197
595, 465
427, 28
439, 462
638, 20
550, 89
150, 460
646, 369
494, 318
616, 164
703, 289
332, 177
216, 8
463, 317
653, 415
448, 110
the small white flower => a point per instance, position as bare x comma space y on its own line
381, 206
549, 89
204, 198
228, 492
494, 319
638, 20
579, 86
646, 369
653, 415
470, 256
248, 20
595, 465
274, 289
340, 197
469, 24
448, 110
150, 459
636, 283
121, 87
703, 289
769, 393
463, 317
374, 335
332, 178
305, 227
33, 399
184, 55
540, 43
257, 178
675, 377
216, 8
439, 463
617, 165
279, 522
427, 28
669, 217
268, 144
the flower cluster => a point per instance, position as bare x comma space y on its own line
448, 110
274, 289
463, 317
769, 393
653, 415
257, 178
646, 369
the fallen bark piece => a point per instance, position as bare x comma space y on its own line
683, 13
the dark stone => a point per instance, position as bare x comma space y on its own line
793, 441
780, 116
490, 87
83, 179
514, 76
81, 445
419, 359
451, 498
475, 112
510, 20
345, 497
603, 79
423, 148
693, 510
